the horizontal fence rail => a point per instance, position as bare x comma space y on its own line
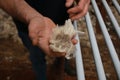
96, 54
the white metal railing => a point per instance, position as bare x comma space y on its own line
96, 53
117, 5
112, 18
79, 61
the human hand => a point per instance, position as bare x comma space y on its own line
40, 30
78, 10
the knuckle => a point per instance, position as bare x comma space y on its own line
80, 8
34, 42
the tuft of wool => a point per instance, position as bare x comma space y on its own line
60, 40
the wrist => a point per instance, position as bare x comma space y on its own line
30, 17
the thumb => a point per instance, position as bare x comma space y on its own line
69, 3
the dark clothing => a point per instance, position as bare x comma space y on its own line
37, 57
55, 10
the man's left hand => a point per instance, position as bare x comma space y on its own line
78, 10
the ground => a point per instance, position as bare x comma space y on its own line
14, 57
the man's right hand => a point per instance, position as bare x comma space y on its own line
40, 30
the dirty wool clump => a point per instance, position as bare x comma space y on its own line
60, 40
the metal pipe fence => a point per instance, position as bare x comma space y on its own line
92, 38
96, 53
79, 61
117, 5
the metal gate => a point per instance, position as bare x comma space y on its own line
95, 48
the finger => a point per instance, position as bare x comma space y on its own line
34, 38
40, 34
77, 8
69, 3
35, 41
44, 43
74, 10
82, 2
79, 15
74, 41
71, 15
47, 49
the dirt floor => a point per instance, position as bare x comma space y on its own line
14, 57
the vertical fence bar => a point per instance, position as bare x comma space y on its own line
117, 6
96, 53
112, 18
78, 57
108, 41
